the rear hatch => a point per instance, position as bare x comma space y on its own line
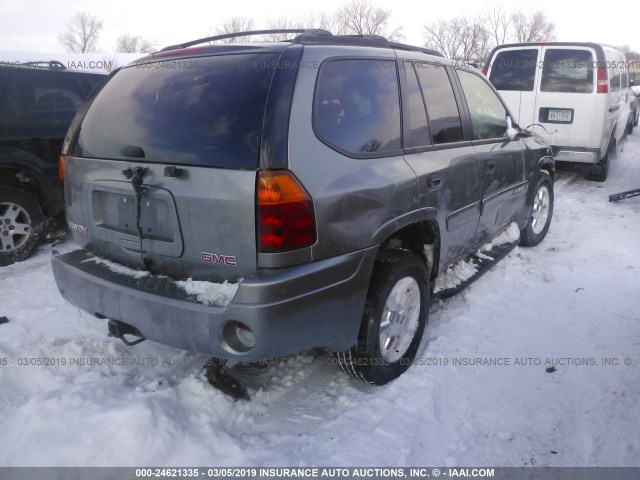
161, 172
513, 74
566, 102
552, 86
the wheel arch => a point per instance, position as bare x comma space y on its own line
30, 180
547, 164
415, 236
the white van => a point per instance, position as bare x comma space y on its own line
575, 95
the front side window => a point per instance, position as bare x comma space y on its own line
567, 71
514, 70
357, 106
488, 115
442, 109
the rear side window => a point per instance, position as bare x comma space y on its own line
567, 71
207, 112
93, 81
41, 100
357, 106
442, 109
514, 70
418, 135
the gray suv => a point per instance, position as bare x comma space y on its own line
252, 200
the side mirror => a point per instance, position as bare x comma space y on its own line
512, 129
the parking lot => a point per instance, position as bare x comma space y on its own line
480, 394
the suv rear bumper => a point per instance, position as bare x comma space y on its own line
289, 310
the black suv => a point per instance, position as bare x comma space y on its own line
38, 100
253, 200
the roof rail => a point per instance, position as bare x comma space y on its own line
315, 31
314, 36
411, 48
50, 64
364, 40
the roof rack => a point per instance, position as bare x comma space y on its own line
50, 64
315, 31
315, 36
411, 48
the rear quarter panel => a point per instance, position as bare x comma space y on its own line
353, 198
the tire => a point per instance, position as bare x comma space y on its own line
22, 225
541, 213
385, 349
630, 128
600, 171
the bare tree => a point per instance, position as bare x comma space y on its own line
361, 17
498, 23
465, 38
281, 23
82, 33
134, 44
321, 21
532, 28
234, 25
460, 38
324, 21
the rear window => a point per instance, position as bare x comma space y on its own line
567, 71
205, 111
514, 70
357, 106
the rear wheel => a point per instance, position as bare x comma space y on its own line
541, 213
600, 171
22, 225
394, 320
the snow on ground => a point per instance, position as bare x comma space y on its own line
479, 395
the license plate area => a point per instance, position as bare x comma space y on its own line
556, 115
114, 211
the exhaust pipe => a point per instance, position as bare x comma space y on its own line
118, 329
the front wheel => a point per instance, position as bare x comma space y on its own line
22, 225
394, 320
541, 213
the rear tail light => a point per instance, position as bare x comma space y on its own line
61, 166
603, 80
485, 70
285, 213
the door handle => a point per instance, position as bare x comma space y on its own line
489, 166
433, 183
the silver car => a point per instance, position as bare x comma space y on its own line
253, 200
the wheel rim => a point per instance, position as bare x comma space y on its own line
541, 207
400, 319
15, 226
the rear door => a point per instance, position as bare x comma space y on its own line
444, 161
163, 172
566, 102
513, 73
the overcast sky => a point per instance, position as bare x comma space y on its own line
32, 25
